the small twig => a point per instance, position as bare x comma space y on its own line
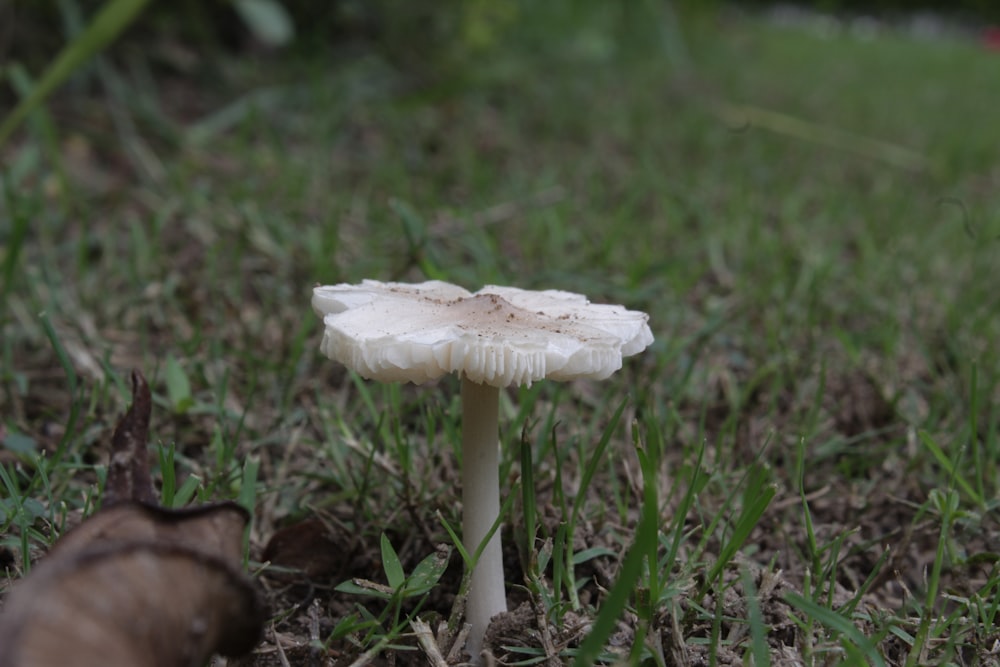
380, 459
545, 635
795, 500
373, 586
315, 646
427, 642
443, 637
459, 644
282, 658
366, 657
678, 646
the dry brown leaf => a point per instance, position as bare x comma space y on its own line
215, 530
139, 604
136, 585
128, 469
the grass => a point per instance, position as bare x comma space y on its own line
803, 465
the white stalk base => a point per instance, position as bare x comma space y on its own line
481, 506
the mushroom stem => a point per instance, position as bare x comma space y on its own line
481, 506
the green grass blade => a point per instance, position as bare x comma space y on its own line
14, 509
185, 492
618, 597
757, 497
427, 572
826, 135
43, 128
947, 503
698, 478
949, 466
71, 379
14, 242
596, 459
800, 476
651, 501
178, 386
247, 497
977, 455
114, 17
837, 623
758, 630
467, 558
168, 478
528, 501
391, 565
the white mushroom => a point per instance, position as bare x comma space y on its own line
497, 337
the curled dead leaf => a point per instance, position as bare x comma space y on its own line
128, 469
136, 585
142, 604
214, 530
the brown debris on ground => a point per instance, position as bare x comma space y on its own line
136, 584
129, 470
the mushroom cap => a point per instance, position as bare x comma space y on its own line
402, 332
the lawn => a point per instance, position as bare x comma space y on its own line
802, 468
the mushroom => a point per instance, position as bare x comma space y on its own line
496, 337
